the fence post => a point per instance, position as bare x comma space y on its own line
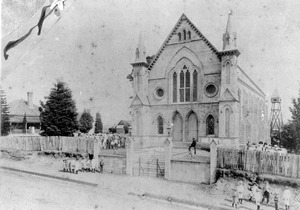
96, 149
213, 161
129, 155
168, 154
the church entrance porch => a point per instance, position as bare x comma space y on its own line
177, 128
191, 127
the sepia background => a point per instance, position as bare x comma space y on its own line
91, 45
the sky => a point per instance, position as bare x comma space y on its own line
92, 44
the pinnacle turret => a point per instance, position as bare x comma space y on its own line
140, 52
229, 37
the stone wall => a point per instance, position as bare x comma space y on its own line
190, 171
113, 163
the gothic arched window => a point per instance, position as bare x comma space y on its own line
184, 35
195, 76
227, 122
179, 36
210, 125
174, 87
181, 89
160, 125
187, 86
184, 85
227, 72
189, 35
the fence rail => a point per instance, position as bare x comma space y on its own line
287, 165
55, 143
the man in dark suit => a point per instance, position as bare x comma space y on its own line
194, 143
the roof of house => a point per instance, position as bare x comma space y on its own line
124, 122
18, 108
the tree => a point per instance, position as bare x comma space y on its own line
59, 113
5, 123
290, 135
112, 130
86, 122
98, 124
25, 123
295, 122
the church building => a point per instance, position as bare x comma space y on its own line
194, 90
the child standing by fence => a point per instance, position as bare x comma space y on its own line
266, 194
101, 164
276, 200
235, 202
258, 197
286, 196
240, 190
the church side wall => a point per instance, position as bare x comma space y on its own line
253, 113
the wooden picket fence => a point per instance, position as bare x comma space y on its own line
52, 143
287, 165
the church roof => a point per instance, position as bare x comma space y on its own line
173, 32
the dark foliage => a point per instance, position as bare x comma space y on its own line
112, 130
290, 135
5, 124
98, 124
86, 122
59, 113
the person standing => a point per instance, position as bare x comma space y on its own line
253, 188
94, 165
258, 197
194, 143
240, 190
73, 165
266, 194
286, 196
276, 200
101, 164
77, 166
235, 202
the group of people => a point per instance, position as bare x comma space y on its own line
108, 140
74, 165
266, 147
260, 194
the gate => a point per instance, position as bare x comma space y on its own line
150, 168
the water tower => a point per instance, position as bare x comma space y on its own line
275, 118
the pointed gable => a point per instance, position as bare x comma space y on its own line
140, 100
183, 26
227, 96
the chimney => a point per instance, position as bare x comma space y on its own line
29, 100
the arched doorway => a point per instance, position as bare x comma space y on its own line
192, 127
177, 127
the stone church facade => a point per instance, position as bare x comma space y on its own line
196, 91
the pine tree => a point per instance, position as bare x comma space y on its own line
290, 135
59, 113
295, 122
5, 123
86, 122
25, 123
98, 124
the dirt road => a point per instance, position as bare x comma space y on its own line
23, 191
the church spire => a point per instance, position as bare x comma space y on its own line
229, 37
140, 52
